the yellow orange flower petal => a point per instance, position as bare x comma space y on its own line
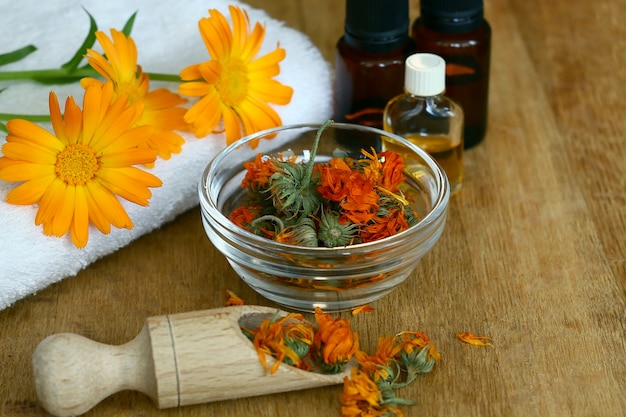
273, 337
234, 87
161, 111
233, 299
77, 174
469, 338
362, 309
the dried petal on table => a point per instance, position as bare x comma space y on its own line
469, 338
233, 299
362, 309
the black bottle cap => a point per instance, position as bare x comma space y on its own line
377, 25
452, 16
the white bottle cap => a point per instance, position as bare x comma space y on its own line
425, 75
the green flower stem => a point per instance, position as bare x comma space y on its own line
31, 117
60, 75
309, 168
55, 74
269, 217
155, 76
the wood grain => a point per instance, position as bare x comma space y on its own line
533, 253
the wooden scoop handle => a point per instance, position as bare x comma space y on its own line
73, 373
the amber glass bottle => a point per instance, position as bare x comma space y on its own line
369, 59
457, 31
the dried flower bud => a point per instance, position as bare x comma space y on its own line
332, 233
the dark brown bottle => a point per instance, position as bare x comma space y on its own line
369, 60
457, 31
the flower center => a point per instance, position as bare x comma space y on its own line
233, 83
76, 164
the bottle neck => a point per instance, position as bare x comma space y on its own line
452, 23
378, 44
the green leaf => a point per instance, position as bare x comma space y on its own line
16, 55
72, 64
35, 118
3, 128
128, 26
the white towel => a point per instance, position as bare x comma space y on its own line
167, 38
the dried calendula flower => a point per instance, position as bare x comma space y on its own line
333, 232
381, 365
287, 339
335, 342
469, 338
362, 397
417, 355
293, 186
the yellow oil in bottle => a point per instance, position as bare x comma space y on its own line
447, 153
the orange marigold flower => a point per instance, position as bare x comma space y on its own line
355, 193
234, 85
361, 397
392, 171
77, 174
270, 338
417, 355
361, 203
412, 340
372, 166
258, 172
377, 365
335, 342
243, 216
384, 226
333, 180
384, 169
161, 107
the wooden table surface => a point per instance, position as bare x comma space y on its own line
533, 253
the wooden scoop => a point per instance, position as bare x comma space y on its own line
176, 360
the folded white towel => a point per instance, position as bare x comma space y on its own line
167, 38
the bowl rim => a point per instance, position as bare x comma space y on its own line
438, 209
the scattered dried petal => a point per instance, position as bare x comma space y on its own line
362, 309
233, 299
469, 338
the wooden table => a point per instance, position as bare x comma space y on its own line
533, 254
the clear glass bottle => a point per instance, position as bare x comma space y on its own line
457, 31
369, 59
428, 118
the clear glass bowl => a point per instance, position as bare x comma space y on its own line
334, 279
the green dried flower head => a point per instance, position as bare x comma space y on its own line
292, 192
332, 233
293, 187
301, 233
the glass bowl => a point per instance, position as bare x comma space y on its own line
334, 279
